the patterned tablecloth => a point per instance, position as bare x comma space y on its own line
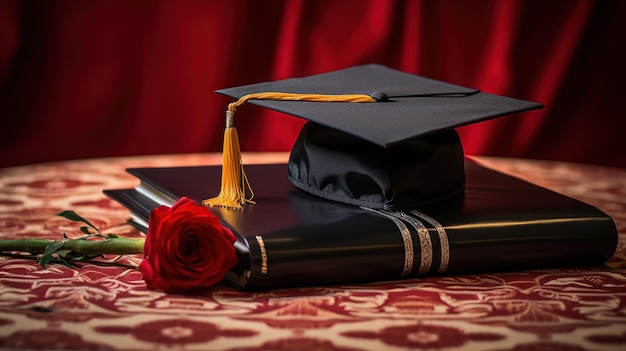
107, 307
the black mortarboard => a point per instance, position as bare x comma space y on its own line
398, 151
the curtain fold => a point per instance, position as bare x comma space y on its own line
110, 78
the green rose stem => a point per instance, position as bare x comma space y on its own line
75, 250
112, 246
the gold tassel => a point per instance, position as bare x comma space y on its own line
234, 180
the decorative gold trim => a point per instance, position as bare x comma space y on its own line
261, 242
426, 244
443, 239
409, 252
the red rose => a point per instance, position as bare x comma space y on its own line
186, 248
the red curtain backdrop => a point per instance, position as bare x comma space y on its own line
85, 79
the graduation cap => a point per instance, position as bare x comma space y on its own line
376, 137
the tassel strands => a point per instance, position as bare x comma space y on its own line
234, 180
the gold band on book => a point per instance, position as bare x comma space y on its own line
426, 244
261, 242
407, 241
443, 239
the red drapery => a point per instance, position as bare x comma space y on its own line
106, 78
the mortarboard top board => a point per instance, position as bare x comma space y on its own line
398, 151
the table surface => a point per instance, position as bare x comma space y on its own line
108, 307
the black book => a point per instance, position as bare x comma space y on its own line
290, 238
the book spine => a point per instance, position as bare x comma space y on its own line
380, 245
370, 246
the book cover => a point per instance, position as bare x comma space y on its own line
290, 238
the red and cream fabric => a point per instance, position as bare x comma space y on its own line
108, 307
